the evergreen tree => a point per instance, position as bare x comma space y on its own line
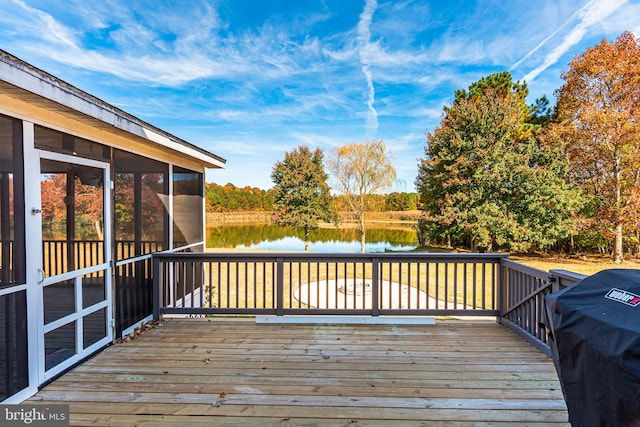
486, 181
301, 194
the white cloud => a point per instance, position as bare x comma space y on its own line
163, 48
47, 27
432, 113
134, 59
587, 16
365, 50
543, 42
340, 55
624, 19
227, 147
398, 58
322, 74
316, 139
460, 49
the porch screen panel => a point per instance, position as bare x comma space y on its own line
134, 293
187, 207
12, 243
141, 228
73, 230
14, 372
52, 140
72, 216
141, 200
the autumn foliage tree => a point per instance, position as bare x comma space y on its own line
599, 122
301, 194
89, 208
85, 204
361, 170
486, 182
229, 198
54, 210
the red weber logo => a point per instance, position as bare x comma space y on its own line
624, 297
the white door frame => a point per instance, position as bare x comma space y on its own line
35, 267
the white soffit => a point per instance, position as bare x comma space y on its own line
210, 161
22, 75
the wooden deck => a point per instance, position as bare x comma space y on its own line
236, 373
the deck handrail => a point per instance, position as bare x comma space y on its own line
525, 312
563, 278
370, 284
294, 283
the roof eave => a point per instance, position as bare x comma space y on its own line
45, 85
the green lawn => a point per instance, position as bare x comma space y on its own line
578, 264
250, 285
583, 265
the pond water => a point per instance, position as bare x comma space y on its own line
324, 240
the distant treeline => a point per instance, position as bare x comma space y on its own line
229, 198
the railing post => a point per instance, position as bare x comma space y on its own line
280, 286
555, 282
502, 289
156, 287
565, 278
375, 290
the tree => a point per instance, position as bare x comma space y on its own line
599, 122
87, 207
501, 83
359, 171
401, 201
54, 209
231, 198
302, 196
486, 180
541, 113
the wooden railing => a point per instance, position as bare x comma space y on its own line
61, 256
524, 310
562, 279
125, 249
7, 267
133, 291
134, 281
352, 284
408, 284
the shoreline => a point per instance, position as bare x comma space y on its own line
346, 218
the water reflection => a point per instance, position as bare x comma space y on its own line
326, 240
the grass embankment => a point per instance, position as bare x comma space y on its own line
440, 282
347, 219
248, 284
237, 218
584, 264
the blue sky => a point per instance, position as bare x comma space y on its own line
251, 79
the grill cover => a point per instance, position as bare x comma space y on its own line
594, 329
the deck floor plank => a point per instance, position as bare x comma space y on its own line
234, 372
